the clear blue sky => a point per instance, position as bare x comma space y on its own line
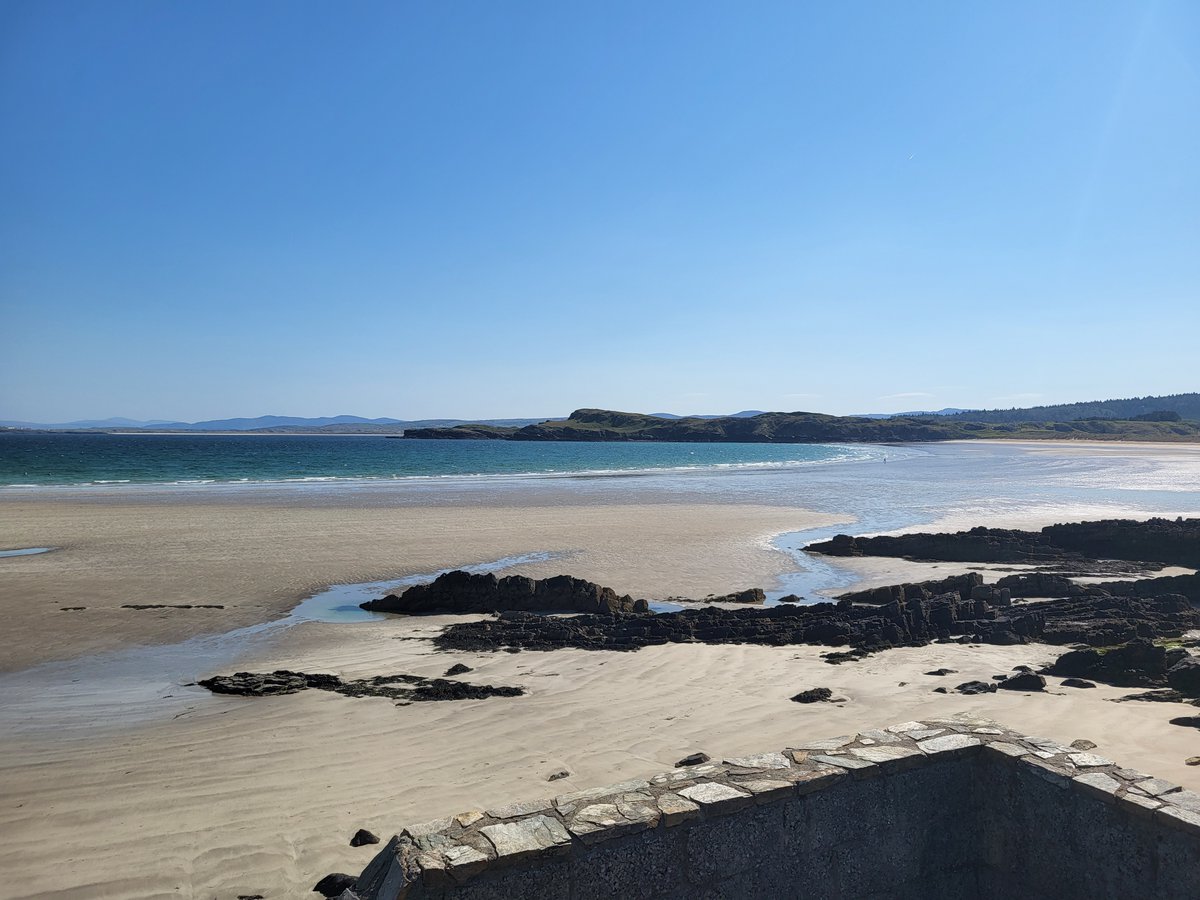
485, 209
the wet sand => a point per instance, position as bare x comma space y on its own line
259, 558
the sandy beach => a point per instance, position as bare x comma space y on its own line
258, 558
249, 796
234, 796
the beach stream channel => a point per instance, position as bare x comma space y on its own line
153, 683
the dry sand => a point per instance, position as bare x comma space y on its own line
248, 796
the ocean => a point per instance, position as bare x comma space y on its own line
30, 460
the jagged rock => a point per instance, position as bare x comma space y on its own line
750, 595
814, 695
416, 688
458, 669
362, 837
1023, 681
1077, 683
941, 690
1041, 584
1184, 676
251, 684
462, 592
694, 759
333, 884
964, 586
976, 687
558, 776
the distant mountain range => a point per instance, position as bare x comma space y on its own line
260, 424
1164, 409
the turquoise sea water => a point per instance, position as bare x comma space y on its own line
105, 459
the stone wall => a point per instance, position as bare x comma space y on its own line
935, 809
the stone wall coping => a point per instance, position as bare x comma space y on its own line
453, 850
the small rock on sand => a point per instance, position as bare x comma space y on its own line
694, 760
363, 837
814, 695
1083, 744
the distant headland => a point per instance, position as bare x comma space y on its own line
1175, 418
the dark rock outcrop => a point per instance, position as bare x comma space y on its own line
866, 629
462, 592
458, 669
1139, 663
1077, 683
415, 688
1100, 621
1154, 542
362, 838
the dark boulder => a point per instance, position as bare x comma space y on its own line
458, 669
362, 837
976, 687
694, 759
1077, 683
942, 672
1023, 681
333, 884
814, 695
1184, 676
